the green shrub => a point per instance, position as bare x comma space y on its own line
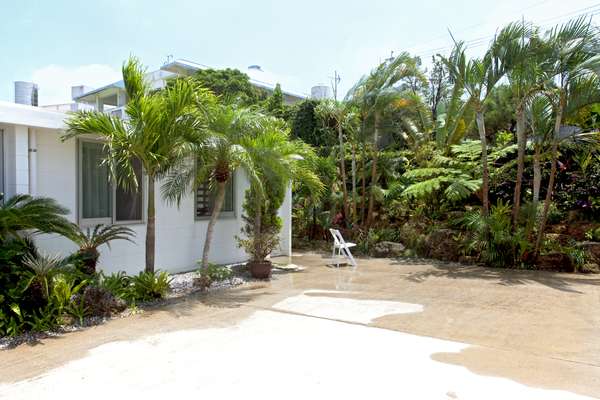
97, 301
260, 240
63, 290
148, 286
555, 215
578, 257
413, 239
593, 234
216, 273
492, 239
117, 284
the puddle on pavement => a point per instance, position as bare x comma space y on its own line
331, 306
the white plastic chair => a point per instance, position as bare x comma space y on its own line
342, 248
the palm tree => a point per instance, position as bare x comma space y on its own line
525, 81
539, 119
340, 115
160, 129
217, 156
23, 212
373, 95
43, 268
90, 239
279, 161
478, 77
572, 61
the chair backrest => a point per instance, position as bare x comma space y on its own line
334, 233
337, 237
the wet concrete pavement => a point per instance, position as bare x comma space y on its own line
457, 331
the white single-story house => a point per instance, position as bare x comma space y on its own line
34, 160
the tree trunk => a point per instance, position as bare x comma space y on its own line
550, 189
485, 176
257, 227
150, 227
213, 220
537, 174
353, 183
373, 172
521, 144
364, 187
343, 172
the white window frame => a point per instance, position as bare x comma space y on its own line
107, 220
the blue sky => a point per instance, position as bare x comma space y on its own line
298, 43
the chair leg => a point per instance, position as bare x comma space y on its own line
350, 257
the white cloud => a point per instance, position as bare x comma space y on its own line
55, 81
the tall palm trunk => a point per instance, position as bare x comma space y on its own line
354, 183
150, 226
553, 168
521, 144
213, 221
537, 173
485, 178
373, 172
343, 172
257, 225
364, 186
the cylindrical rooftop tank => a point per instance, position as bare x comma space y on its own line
320, 92
26, 93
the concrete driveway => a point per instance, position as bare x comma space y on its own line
386, 330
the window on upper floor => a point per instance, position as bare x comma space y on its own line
99, 200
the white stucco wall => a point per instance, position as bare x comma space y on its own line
179, 237
16, 159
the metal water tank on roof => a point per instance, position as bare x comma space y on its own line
26, 93
320, 92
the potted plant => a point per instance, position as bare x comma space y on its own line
261, 228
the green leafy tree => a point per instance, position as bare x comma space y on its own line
274, 104
231, 85
160, 129
306, 126
454, 177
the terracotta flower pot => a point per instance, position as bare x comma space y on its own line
260, 269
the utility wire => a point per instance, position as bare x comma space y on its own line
480, 41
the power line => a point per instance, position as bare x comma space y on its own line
416, 44
580, 11
480, 41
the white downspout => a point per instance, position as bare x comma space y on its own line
32, 162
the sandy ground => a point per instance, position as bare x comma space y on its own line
387, 329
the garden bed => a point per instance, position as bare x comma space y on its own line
181, 285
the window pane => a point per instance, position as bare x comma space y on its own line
128, 203
95, 186
205, 199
